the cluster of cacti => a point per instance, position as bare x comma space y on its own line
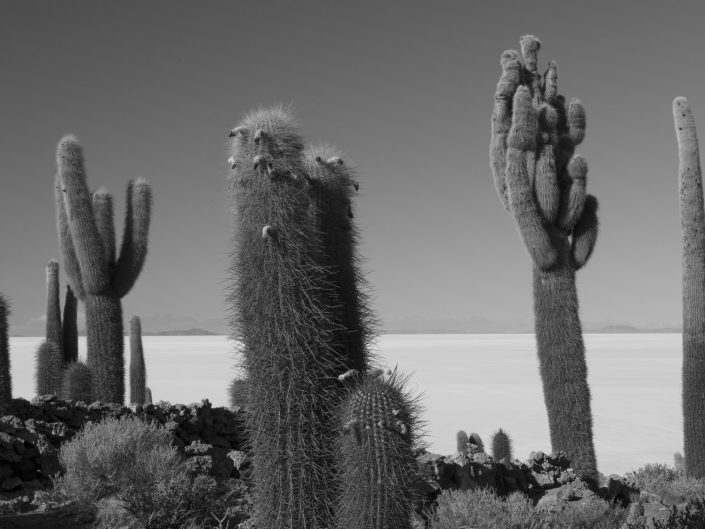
692, 213
542, 182
376, 455
138, 375
5, 378
98, 277
501, 446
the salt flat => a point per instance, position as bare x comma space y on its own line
475, 382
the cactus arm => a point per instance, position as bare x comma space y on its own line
572, 207
502, 121
71, 266
133, 250
550, 88
522, 138
87, 242
530, 47
546, 187
576, 121
103, 209
585, 234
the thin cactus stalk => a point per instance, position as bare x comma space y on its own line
5, 373
501, 446
281, 316
461, 441
690, 184
376, 462
147, 396
54, 331
97, 277
332, 184
49, 359
77, 383
138, 374
542, 182
70, 327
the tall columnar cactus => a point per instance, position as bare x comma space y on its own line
542, 183
332, 184
49, 372
70, 327
461, 441
690, 184
138, 375
77, 383
5, 377
282, 303
147, 395
501, 445
376, 461
54, 331
97, 277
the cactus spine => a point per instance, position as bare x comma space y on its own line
5, 377
97, 277
70, 327
501, 446
49, 369
78, 383
138, 375
690, 185
281, 299
461, 441
542, 183
376, 462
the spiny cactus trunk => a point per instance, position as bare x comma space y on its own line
77, 383
49, 360
105, 347
54, 331
70, 327
138, 376
562, 363
693, 240
5, 377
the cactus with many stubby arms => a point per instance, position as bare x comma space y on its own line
49, 359
461, 441
138, 375
542, 183
501, 445
97, 276
70, 327
692, 212
282, 301
54, 330
77, 383
376, 462
332, 184
5, 376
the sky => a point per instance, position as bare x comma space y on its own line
404, 88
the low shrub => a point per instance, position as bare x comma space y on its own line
659, 479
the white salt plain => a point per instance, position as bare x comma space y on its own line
475, 382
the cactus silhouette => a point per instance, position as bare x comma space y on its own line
138, 375
690, 184
542, 183
147, 396
77, 383
282, 300
70, 327
97, 277
376, 461
461, 441
49, 373
501, 446
54, 331
475, 439
331, 186
5, 374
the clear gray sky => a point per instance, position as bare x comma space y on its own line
404, 88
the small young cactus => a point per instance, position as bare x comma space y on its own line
78, 383
475, 439
5, 377
138, 375
147, 395
501, 446
49, 360
376, 447
461, 441
679, 462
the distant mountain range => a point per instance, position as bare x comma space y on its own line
180, 325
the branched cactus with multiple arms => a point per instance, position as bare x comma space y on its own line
70, 327
5, 375
77, 383
97, 276
376, 454
542, 183
501, 446
138, 375
282, 300
690, 185
332, 184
